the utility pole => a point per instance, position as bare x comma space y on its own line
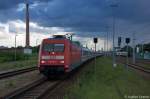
127, 58
134, 49
15, 46
27, 25
95, 48
143, 49
104, 45
107, 28
114, 21
95, 40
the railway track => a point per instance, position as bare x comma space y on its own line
34, 90
137, 67
38, 89
138, 61
141, 68
16, 72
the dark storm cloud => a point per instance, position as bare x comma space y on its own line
134, 10
9, 9
91, 15
7, 4
80, 16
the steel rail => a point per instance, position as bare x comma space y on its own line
34, 90
137, 67
141, 68
23, 89
16, 72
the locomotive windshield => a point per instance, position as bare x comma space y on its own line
53, 47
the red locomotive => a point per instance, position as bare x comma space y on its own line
61, 55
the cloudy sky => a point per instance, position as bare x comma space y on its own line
85, 18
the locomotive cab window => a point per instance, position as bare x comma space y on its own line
48, 47
59, 47
53, 47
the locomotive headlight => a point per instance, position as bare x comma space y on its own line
61, 61
42, 62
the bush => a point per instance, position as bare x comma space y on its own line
9, 56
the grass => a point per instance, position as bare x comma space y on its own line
108, 83
24, 62
10, 56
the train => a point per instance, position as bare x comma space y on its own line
59, 55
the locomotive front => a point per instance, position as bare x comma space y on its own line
53, 57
